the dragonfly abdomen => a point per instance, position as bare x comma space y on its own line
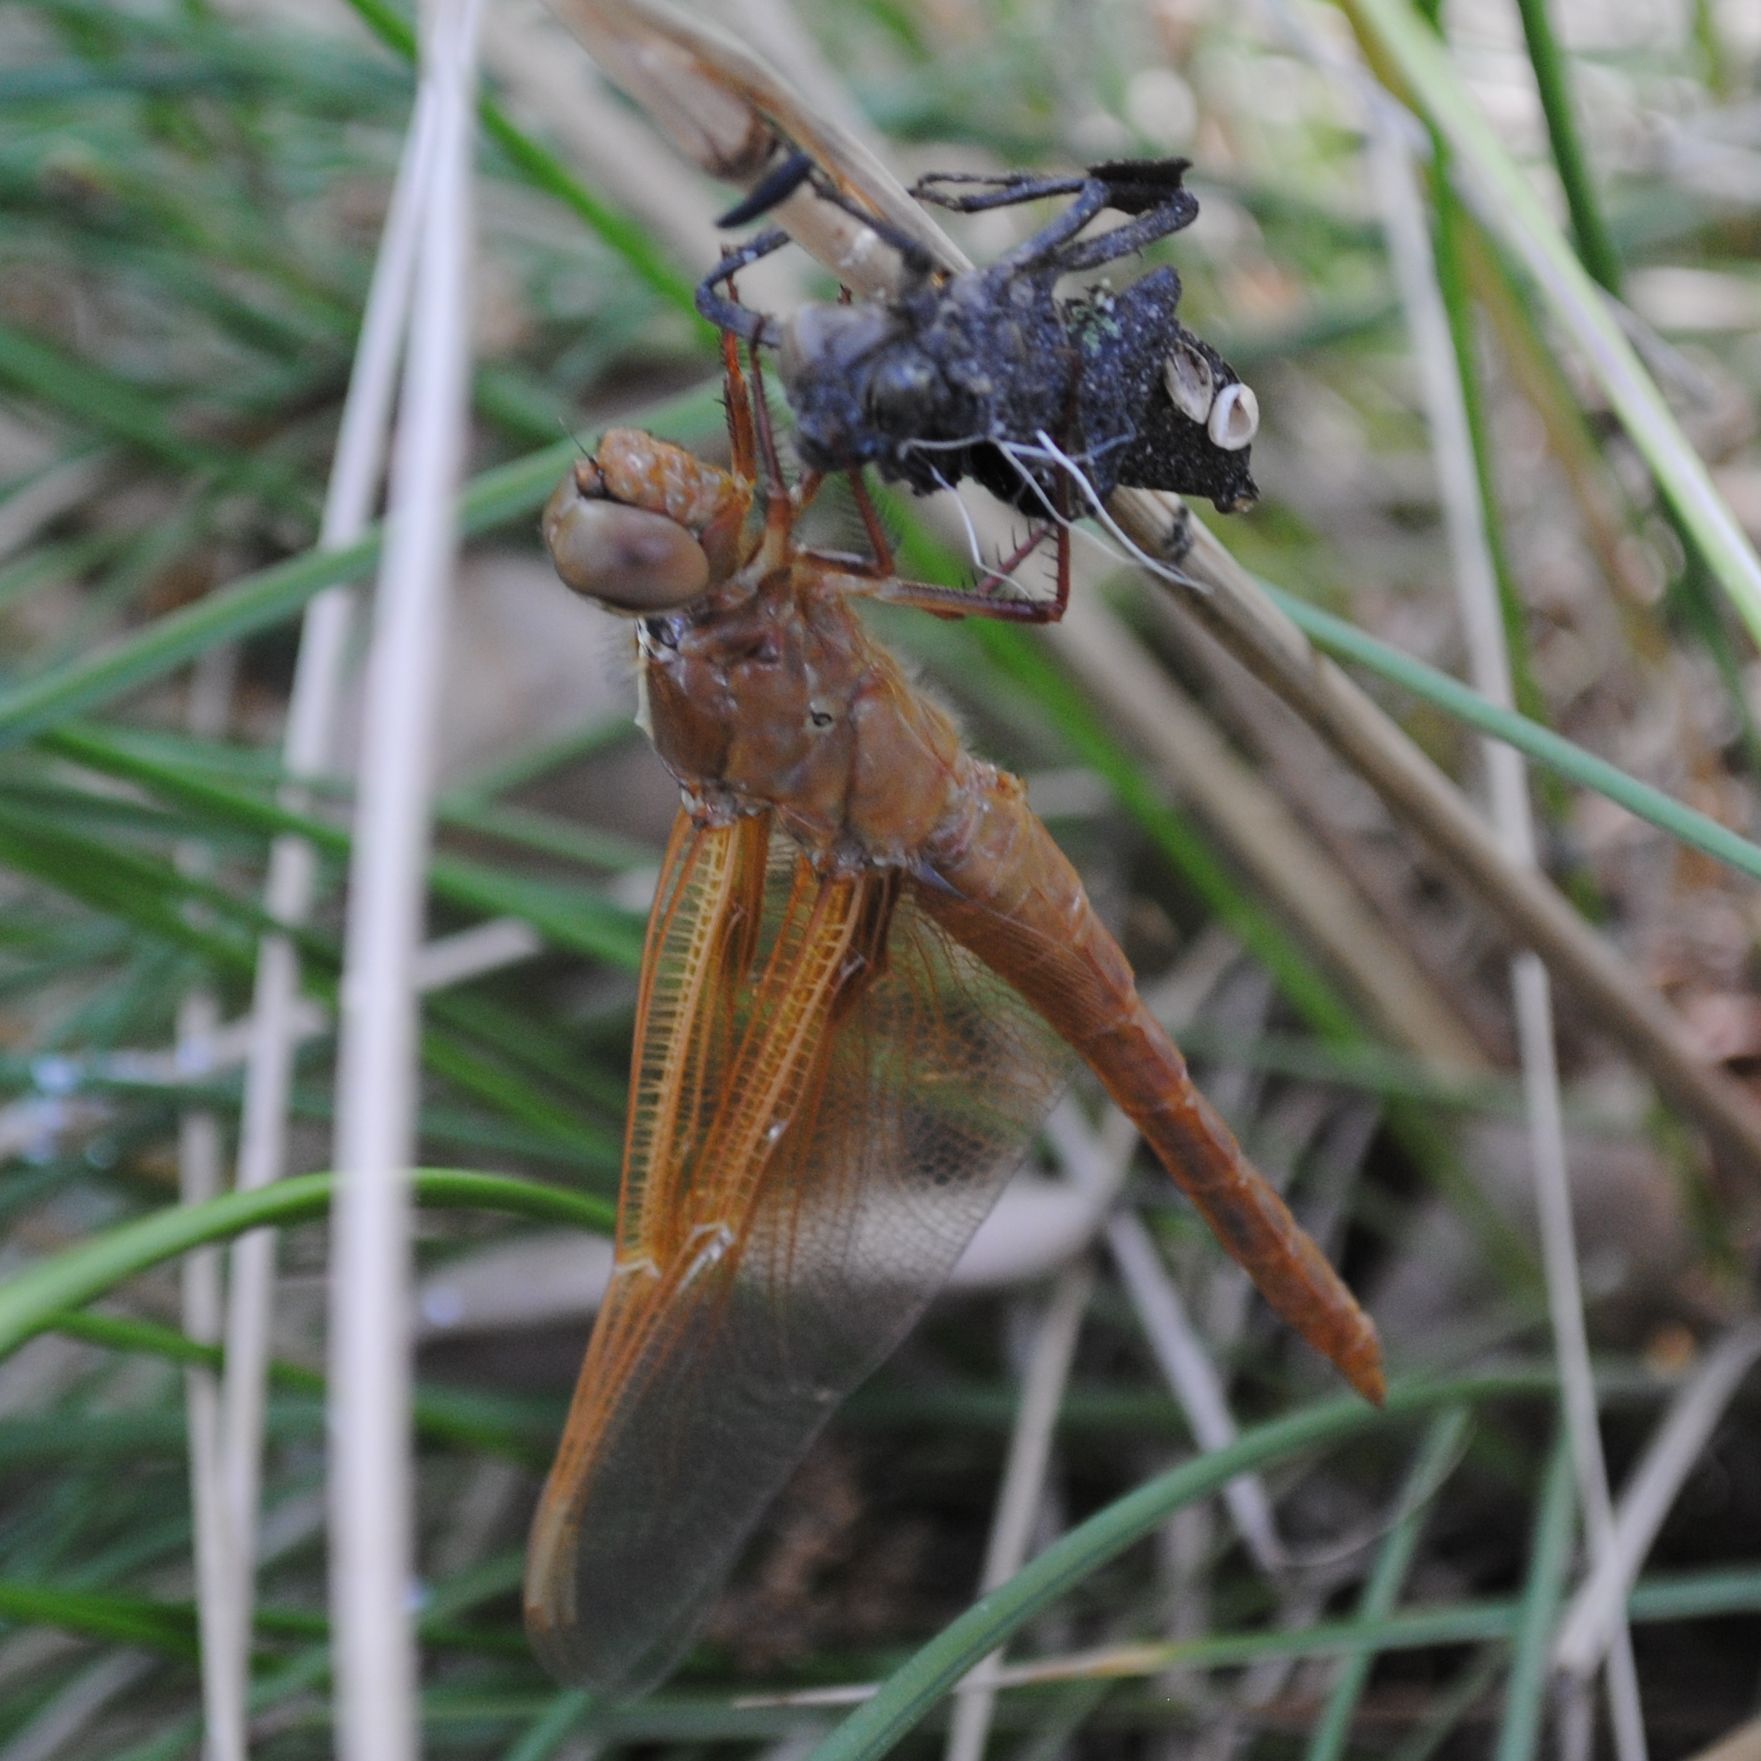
1008, 893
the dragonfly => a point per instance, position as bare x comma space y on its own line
869, 972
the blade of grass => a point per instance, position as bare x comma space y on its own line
30, 1300
200, 1158
1257, 633
1549, 1558
289, 890
1398, 39
1676, 1448
545, 171
467, 1421
1050, 1355
575, 918
1470, 519
1567, 759
907, 1695
1659, 1600
97, 400
372, 1471
1595, 244
1436, 1458
551, 1729
118, 1620
271, 595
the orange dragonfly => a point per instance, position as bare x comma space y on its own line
868, 974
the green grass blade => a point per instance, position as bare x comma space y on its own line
545, 171
1437, 1456
1525, 1698
91, 1614
575, 918
1595, 244
907, 1695
443, 1415
551, 1729
1559, 754
1514, 212
30, 1300
269, 596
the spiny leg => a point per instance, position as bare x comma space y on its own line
880, 545
780, 506
1061, 511
855, 575
737, 400
1061, 587
878, 565
1031, 611
952, 603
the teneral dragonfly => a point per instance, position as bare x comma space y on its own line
868, 972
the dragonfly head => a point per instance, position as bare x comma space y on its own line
644, 527
629, 560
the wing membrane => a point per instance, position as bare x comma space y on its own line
828, 1096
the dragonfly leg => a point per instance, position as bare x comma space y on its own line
1061, 593
737, 400
1029, 611
961, 602
776, 485
880, 564
849, 574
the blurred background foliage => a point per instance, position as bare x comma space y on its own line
192, 194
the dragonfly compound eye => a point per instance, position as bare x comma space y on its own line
628, 559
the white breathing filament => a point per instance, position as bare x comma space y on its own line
1048, 452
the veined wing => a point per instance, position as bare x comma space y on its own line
828, 1094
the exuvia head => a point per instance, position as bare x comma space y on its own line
857, 381
821, 339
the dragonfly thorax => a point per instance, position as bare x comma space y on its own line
781, 701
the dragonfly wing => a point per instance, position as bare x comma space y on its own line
829, 1094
